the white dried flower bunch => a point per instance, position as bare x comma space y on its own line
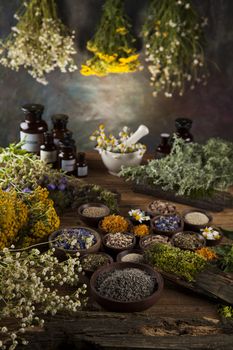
39, 42
173, 37
29, 286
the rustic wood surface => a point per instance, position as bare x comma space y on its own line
180, 319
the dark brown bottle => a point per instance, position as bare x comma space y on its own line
183, 126
67, 139
59, 127
164, 148
67, 159
48, 151
82, 167
32, 128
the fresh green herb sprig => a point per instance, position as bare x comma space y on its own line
185, 264
225, 254
190, 169
226, 311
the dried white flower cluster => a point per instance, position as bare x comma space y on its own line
173, 35
39, 42
29, 286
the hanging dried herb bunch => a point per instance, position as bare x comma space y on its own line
39, 42
173, 37
113, 44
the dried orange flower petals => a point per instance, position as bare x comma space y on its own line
114, 223
206, 253
141, 230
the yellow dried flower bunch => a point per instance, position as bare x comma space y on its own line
113, 45
13, 216
114, 223
141, 230
43, 218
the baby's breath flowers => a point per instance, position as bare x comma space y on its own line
113, 44
39, 42
29, 287
113, 144
173, 37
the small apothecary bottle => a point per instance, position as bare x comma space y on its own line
67, 159
48, 151
82, 167
59, 127
32, 128
164, 148
183, 126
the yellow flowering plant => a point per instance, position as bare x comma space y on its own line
173, 37
113, 46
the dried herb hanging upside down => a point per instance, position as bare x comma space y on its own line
173, 37
39, 42
113, 45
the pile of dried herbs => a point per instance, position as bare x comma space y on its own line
182, 263
190, 169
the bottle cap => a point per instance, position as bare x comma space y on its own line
33, 110
60, 119
81, 157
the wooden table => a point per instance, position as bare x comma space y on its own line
179, 320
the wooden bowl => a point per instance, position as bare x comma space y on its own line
92, 221
142, 239
166, 233
105, 232
213, 242
113, 305
121, 255
155, 213
200, 237
62, 252
113, 250
192, 227
90, 271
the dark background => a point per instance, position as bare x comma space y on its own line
119, 100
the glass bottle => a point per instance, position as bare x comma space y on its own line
164, 148
32, 128
82, 167
48, 151
67, 139
59, 127
67, 159
183, 126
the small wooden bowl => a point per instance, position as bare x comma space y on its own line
156, 213
136, 306
105, 232
214, 242
200, 237
192, 227
62, 252
166, 233
142, 239
89, 271
113, 250
92, 221
122, 254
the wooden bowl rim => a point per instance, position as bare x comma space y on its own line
187, 211
199, 235
54, 234
110, 259
127, 252
154, 213
170, 233
93, 204
124, 265
119, 249
152, 234
105, 232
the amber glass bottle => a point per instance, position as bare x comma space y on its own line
67, 159
82, 167
32, 128
67, 139
164, 148
48, 151
59, 127
183, 126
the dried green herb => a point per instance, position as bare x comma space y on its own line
184, 264
226, 311
190, 169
